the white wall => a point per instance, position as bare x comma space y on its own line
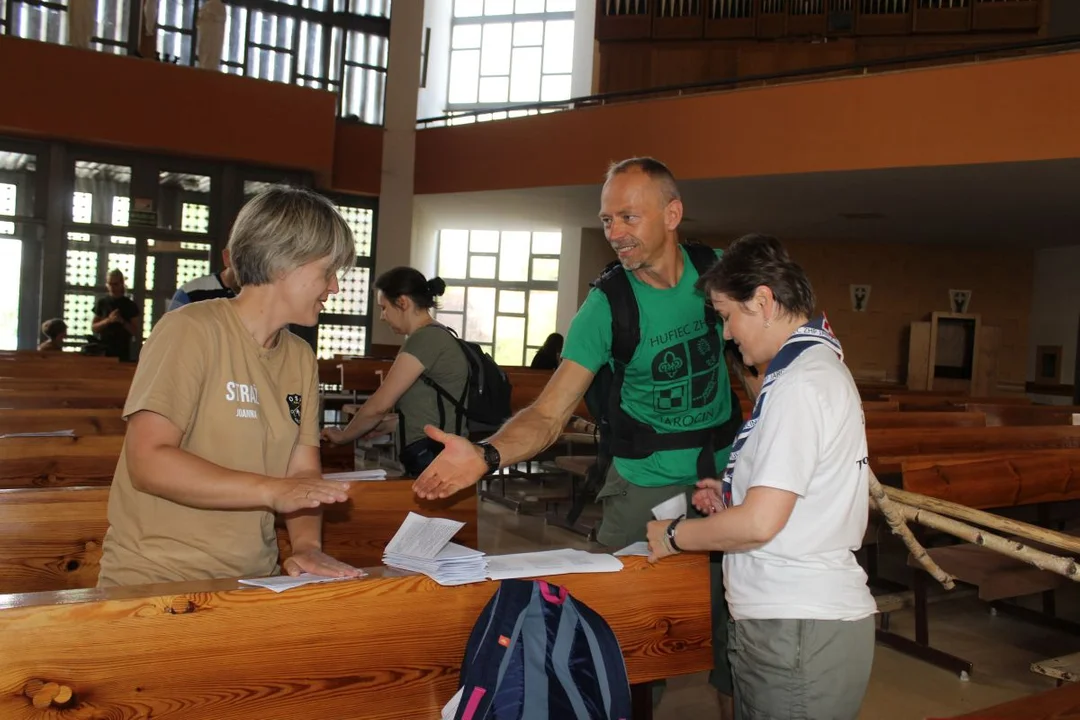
581, 81
432, 97
1055, 309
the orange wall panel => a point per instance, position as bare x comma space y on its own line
1010, 110
357, 158
53, 91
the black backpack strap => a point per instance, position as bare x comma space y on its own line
703, 257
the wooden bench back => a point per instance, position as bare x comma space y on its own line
383, 648
50, 538
1018, 415
938, 441
887, 419
1005, 480
84, 421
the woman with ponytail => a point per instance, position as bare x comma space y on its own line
430, 350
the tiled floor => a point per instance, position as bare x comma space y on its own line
901, 688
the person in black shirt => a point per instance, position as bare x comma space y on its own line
549, 354
116, 318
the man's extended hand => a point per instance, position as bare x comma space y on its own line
459, 465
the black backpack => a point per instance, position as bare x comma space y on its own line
620, 435
486, 398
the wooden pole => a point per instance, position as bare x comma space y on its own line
1044, 536
1065, 567
895, 518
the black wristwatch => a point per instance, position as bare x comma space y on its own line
671, 534
491, 456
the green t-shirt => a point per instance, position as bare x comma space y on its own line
677, 379
444, 362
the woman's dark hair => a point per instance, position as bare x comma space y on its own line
411, 283
52, 329
553, 344
756, 260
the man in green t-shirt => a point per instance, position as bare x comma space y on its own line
676, 381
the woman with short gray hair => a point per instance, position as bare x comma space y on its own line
223, 430
791, 508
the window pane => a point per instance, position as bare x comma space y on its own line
547, 243
525, 81
485, 241
559, 46
453, 253
453, 300
359, 221
543, 308
99, 184
189, 269
555, 87
514, 259
184, 202
511, 301
509, 340
480, 311
341, 340
494, 89
495, 54
468, 8
353, 296
10, 265
82, 268
528, 33
498, 7
482, 266
464, 75
545, 269
560, 5
529, 6
451, 320
466, 37
78, 314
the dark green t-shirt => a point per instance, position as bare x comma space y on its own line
444, 362
677, 379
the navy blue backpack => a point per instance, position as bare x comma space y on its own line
536, 654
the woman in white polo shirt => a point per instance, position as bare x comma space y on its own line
791, 507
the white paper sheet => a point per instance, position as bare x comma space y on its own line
450, 709
51, 433
421, 537
281, 583
672, 508
550, 562
638, 549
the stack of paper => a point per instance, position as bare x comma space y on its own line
551, 562
423, 545
357, 475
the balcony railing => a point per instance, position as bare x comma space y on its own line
1042, 46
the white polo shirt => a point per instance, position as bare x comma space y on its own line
810, 440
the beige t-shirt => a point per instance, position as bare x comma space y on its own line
240, 406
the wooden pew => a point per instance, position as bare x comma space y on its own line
880, 406
84, 421
1019, 415
887, 420
917, 441
382, 648
1007, 480
19, 400
1061, 703
50, 538
59, 462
